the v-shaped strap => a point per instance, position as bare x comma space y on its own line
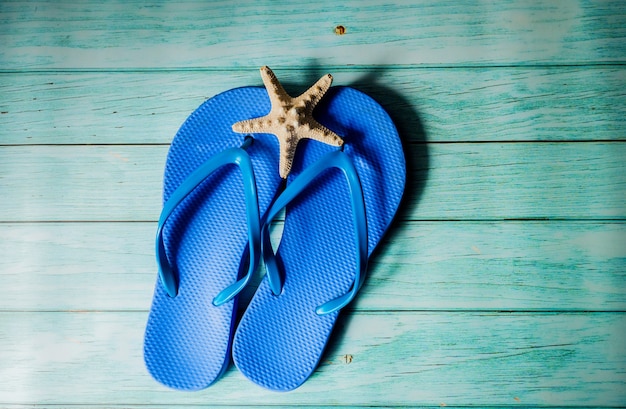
232, 156
334, 159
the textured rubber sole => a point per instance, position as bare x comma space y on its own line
280, 339
187, 338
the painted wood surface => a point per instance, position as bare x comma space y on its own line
445, 181
451, 105
502, 283
392, 359
422, 266
251, 33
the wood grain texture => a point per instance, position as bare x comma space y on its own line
503, 282
518, 266
445, 181
53, 34
424, 358
451, 105
205, 405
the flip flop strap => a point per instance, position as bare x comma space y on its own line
334, 159
232, 156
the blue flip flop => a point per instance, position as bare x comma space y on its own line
339, 203
217, 183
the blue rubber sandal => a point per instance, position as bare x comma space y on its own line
217, 183
339, 203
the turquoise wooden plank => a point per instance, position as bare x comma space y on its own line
252, 406
516, 266
79, 180
451, 105
54, 34
208, 405
376, 359
333, 406
446, 181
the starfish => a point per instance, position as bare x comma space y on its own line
291, 119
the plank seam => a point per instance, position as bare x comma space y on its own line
352, 311
202, 405
336, 68
416, 143
616, 220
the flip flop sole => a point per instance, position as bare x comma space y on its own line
187, 338
280, 339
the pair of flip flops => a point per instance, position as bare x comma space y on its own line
232, 167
